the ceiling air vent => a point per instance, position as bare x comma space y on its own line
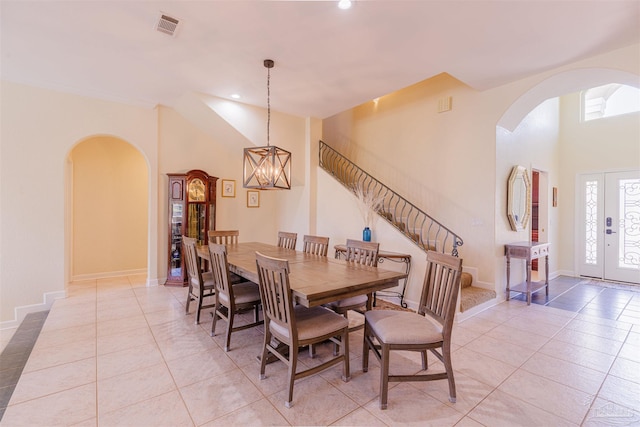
166, 24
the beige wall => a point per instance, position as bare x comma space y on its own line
110, 208
605, 145
38, 129
455, 164
447, 159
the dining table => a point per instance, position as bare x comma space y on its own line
314, 279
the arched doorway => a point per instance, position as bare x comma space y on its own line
571, 154
107, 209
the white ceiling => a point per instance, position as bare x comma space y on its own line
327, 60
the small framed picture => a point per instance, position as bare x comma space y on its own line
253, 199
228, 188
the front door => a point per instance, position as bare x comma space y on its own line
609, 218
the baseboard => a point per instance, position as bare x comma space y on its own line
21, 312
108, 274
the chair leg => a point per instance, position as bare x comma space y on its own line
365, 349
346, 373
186, 310
230, 315
425, 362
446, 357
293, 359
265, 351
215, 318
199, 308
384, 376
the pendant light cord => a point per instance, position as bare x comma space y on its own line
268, 102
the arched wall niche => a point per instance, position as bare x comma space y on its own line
107, 203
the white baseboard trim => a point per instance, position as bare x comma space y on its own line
108, 274
21, 312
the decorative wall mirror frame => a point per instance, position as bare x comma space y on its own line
519, 198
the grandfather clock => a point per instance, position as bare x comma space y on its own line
192, 213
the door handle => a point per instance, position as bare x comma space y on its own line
610, 231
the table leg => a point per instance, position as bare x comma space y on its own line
528, 281
508, 275
546, 273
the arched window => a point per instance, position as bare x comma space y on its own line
609, 100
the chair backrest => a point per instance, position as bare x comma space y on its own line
220, 270
191, 260
275, 294
287, 240
363, 252
316, 245
224, 237
440, 289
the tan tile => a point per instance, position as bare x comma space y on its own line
564, 372
315, 402
260, 413
483, 368
362, 387
593, 342
52, 338
133, 387
33, 385
616, 331
60, 354
124, 339
626, 369
580, 355
526, 324
117, 325
407, 405
512, 354
550, 396
58, 409
507, 334
469, 392
164, 410
478, 324
200, 366
360, 417
500, 409
131, 359
185, 345
604, 413
620, 391
232, 390
630, 351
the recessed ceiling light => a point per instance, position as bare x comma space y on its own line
344, 4
235, 96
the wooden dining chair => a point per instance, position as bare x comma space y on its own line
231, 297
296, 326
428, 329
287, 240
359, 252
201, 284
316, 245
226, 237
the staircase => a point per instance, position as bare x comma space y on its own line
425, 231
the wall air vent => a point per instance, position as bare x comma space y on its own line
167, 24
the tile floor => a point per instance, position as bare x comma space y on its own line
117, 353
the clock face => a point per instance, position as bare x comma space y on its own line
196, 191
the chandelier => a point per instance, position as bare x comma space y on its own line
267, 167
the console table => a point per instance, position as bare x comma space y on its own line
382, 256
527, 251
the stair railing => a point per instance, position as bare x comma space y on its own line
426, 232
